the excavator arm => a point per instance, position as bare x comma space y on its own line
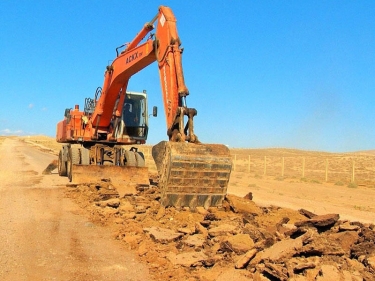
163, 48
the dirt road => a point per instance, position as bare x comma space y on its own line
45, 236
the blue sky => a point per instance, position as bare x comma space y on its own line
294, 74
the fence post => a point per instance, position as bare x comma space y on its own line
353, 177
326, 169
265, 165
303, 167
249, 164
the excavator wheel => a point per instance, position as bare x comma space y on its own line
130, 158
61, 165
85, 156
191, 174
140, 158
73, 158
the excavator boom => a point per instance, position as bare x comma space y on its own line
95, 141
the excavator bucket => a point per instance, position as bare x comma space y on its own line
124, 178
192, 175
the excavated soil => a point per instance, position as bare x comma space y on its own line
267, 229
239, 241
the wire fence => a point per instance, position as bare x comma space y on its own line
336, 169
312, 166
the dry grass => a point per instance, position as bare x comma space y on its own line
307, 166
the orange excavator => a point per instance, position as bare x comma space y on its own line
100, 141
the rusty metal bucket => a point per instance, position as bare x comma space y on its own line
192, 174
124, 178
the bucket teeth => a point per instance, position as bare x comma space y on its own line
192, 174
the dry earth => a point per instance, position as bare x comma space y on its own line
43, 234
316, 232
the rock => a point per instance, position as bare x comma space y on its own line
351, 276
348, 227
249, 196
211, 217
355, 264
231, 274
51, 166
160, 213
212, 260
298, 265
276, 270
201, 210
132, 238
328, 273
190, 259
162, 235
126, 206
306, 213
371, 262
205, 223
186, 230
113, 203
302, 266
256, 233
282, 249
242, 205
129, 216
320, 221
196, 241
140, 209
247, 218
142, 249
240, 243
362, 249
108, 211
284, 220
200, 229
287, 229
245, 259
260, 277
345, 239
221, 230
320, 245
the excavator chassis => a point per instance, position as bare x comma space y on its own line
192, 175
80, 165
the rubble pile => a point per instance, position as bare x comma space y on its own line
238, 241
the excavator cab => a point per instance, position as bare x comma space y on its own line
134, 119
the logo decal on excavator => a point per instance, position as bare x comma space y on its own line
162, 20
132, 57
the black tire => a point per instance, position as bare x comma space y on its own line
85, 156
69, 167
61, 165
75, 155
130, 158
140, 158
73, 158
